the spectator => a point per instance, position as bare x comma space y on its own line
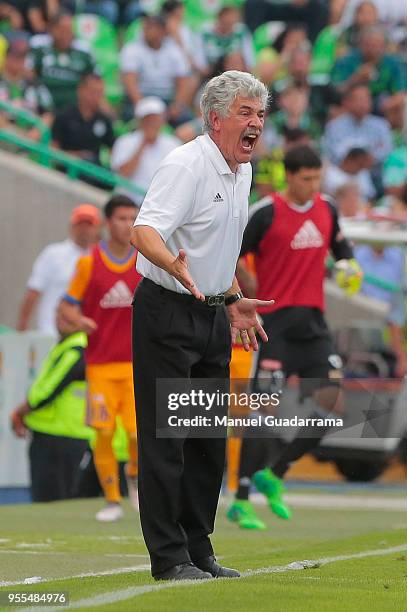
357, 127
396, 114
349, 202
399, 204
227, 35
136, 156
387, 264
353, 168
54, 267
366, 15
390, 11
156, 66
395, 171
83, 128
108, 9
321, 96
115, 11
370, 65
10, 13
294, 112
59, 61
313, 13
190, 44
38, 13
273, 61
17, 87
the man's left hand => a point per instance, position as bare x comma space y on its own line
17, 420
243, 320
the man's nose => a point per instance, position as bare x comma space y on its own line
256, 122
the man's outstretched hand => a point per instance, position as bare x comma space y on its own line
179, 270
243, 321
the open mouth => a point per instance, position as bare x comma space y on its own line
249, 142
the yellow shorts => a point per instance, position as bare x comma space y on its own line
241, 363
110, 394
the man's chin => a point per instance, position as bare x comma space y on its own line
244, 158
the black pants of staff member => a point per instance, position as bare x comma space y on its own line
175, 336
54, 463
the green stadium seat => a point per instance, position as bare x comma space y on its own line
198, 12
133, 31
324, 51
266, 34
101, 36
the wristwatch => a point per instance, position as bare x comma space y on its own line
235, 297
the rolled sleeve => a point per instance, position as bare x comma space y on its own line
169, 200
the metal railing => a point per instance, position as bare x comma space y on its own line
49, 157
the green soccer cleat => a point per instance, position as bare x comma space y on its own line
272, 487
242, 513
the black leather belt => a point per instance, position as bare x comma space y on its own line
210, 300
215, 300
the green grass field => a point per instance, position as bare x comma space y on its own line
358, 560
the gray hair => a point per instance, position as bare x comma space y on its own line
221, 91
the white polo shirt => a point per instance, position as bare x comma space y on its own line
156, 69
196, 203
50, 276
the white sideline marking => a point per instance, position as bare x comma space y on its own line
123, 594
112, 572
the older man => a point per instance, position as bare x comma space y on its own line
189, 233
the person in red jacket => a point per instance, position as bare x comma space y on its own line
290, 235
98, 302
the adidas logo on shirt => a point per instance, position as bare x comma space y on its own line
118, 296
218, 198
307, 237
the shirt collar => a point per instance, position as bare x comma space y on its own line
217, 158
301, 208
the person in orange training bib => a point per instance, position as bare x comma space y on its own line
98, 302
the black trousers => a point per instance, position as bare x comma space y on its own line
176, 336
54, 464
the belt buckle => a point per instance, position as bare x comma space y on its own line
216, 300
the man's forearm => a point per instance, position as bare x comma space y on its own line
150, 244
396, 339
131, 166
30, 301
183, 91
235, 288
131, 87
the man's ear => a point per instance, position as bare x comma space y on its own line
215, 121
